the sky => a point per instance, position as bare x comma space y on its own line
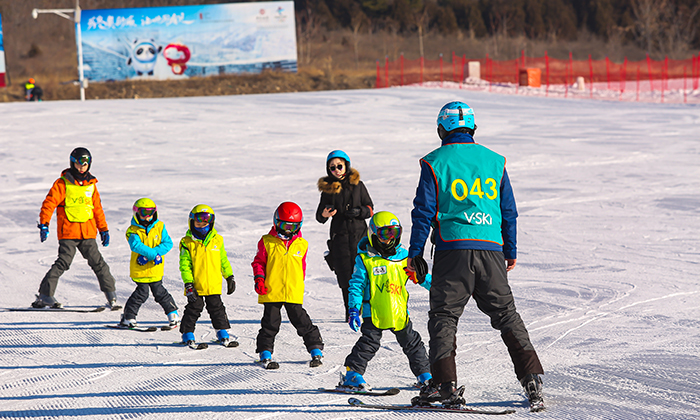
606, 279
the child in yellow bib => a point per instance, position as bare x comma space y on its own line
149, 241
378, 293
203, 263
279, 268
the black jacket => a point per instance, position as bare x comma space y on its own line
345, 232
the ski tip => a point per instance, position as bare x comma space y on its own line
392, 391
100, 309
354, 401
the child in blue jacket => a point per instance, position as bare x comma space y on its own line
378, 286
149, 241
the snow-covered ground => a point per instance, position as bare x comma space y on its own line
606, 281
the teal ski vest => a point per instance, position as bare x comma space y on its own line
468, 192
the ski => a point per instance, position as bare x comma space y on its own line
348, 390
268, 364
141, 329
63, 309
168, 327
438, 408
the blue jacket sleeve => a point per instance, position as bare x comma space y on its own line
165, 245
509, 214
140, 248
424, 210
358, 284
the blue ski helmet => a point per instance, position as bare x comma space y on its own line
338, 154
341, 155
455, 115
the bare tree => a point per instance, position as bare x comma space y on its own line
308, 24
357, 20
648, 15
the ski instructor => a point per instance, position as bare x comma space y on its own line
465, 195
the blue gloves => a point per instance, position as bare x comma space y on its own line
43, 231
143, 260
105, 238
190, 293
354, 319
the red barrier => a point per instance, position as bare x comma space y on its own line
555, 71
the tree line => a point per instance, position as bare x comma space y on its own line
657, 26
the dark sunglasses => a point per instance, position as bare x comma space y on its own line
333, 168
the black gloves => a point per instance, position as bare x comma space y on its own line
353, 213
190, 293
231, 283
421, 267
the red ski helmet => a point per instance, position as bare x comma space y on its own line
288, 218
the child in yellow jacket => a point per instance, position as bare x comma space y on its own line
279, 269
203, 262
149, 242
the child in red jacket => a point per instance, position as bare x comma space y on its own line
279, 269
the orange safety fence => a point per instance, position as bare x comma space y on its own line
654, 74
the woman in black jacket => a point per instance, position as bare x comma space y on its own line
345, 199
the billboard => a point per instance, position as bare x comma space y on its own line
2, 57
158, 43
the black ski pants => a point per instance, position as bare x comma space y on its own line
368, 345
457, 275
139, 296
272, 319
215, 307
66, 252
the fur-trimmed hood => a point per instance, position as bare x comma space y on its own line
331, 185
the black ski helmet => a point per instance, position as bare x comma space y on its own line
80, 155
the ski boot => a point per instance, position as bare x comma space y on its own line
532, 384
173, 319
43, 301
451, 395
188, 339
429, 393
422, 379
353, 380
266, 360
127, 323
112, 301
316, 356
225, 339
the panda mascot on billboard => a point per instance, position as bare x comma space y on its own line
143, 55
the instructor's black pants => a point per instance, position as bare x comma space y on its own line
457, 275
215, 307
368, 345
66, 252
272, 319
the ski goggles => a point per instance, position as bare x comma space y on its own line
203, 217
291, 227
334, 167
145, 211
81, 160
387, 233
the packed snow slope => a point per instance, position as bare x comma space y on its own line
606, 280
